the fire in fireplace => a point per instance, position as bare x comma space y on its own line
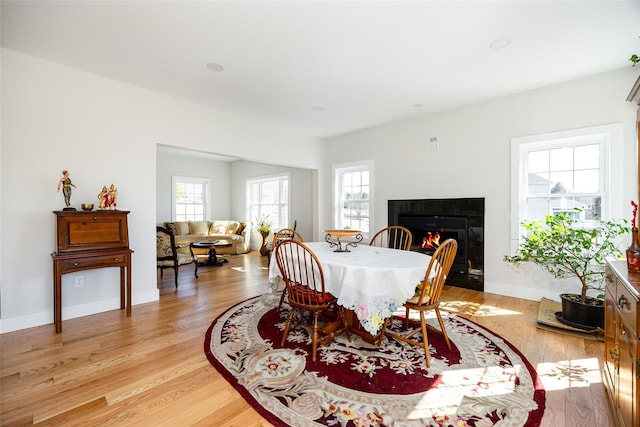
431, 240
428, 231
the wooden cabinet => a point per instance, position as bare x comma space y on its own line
88, 240
622, 345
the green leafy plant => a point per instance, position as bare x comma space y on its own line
264, 225
634, 59
562, 246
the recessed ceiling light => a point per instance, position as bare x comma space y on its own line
500, 43
318, 108
215, 67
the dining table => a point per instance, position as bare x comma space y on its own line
370, 282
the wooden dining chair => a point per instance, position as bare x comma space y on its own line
283, 234
286, 234
167, 255
279, 236
427, 297
394, 236
304, 281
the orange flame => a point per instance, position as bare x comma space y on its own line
431, 241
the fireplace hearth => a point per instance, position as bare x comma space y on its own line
432, 221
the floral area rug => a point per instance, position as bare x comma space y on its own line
482, 381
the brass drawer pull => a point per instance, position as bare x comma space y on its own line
116, 259
76, 263
623, 303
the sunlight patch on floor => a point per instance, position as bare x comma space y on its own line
475, 309
468, 390
569, 373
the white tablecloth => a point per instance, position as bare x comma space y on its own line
369, 280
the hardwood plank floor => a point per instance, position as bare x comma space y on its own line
150, 368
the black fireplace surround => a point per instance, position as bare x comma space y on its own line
459, 219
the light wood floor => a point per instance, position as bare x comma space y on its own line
150, 369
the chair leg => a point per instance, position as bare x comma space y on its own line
425, 339
287, 327
314, 336
284, 294
196, 272
406, 318
175, 275
444, 331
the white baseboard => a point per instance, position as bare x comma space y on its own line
46, 317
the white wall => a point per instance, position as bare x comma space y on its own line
103, 131
474, 159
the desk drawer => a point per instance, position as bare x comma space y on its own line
628, 306
113, 260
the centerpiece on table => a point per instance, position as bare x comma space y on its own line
562, 246
333, 238
264, 228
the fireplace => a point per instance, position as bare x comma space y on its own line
432, 221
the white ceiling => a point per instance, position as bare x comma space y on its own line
365, 63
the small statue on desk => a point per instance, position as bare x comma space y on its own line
66, 184
113, 197
103, 195
108, 198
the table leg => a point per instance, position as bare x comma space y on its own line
356, 328
213, 257
129, 296
57, 297
334, 325
122, 289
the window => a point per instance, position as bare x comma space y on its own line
269, 196
353, 187
190, 198
561, 171
563, 176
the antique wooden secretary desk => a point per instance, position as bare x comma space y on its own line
89, 240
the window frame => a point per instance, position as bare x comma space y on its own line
610, 138
338, 171
281, 177
206, 182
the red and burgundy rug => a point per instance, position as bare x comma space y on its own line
482, 381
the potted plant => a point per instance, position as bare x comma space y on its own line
264, 228
563, 246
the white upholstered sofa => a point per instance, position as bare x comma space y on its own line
236, 233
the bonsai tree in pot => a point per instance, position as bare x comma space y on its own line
563, 246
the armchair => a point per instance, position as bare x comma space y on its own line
167, 255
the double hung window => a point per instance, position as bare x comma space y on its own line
269, 197
353, 202
190, 198
562, 171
